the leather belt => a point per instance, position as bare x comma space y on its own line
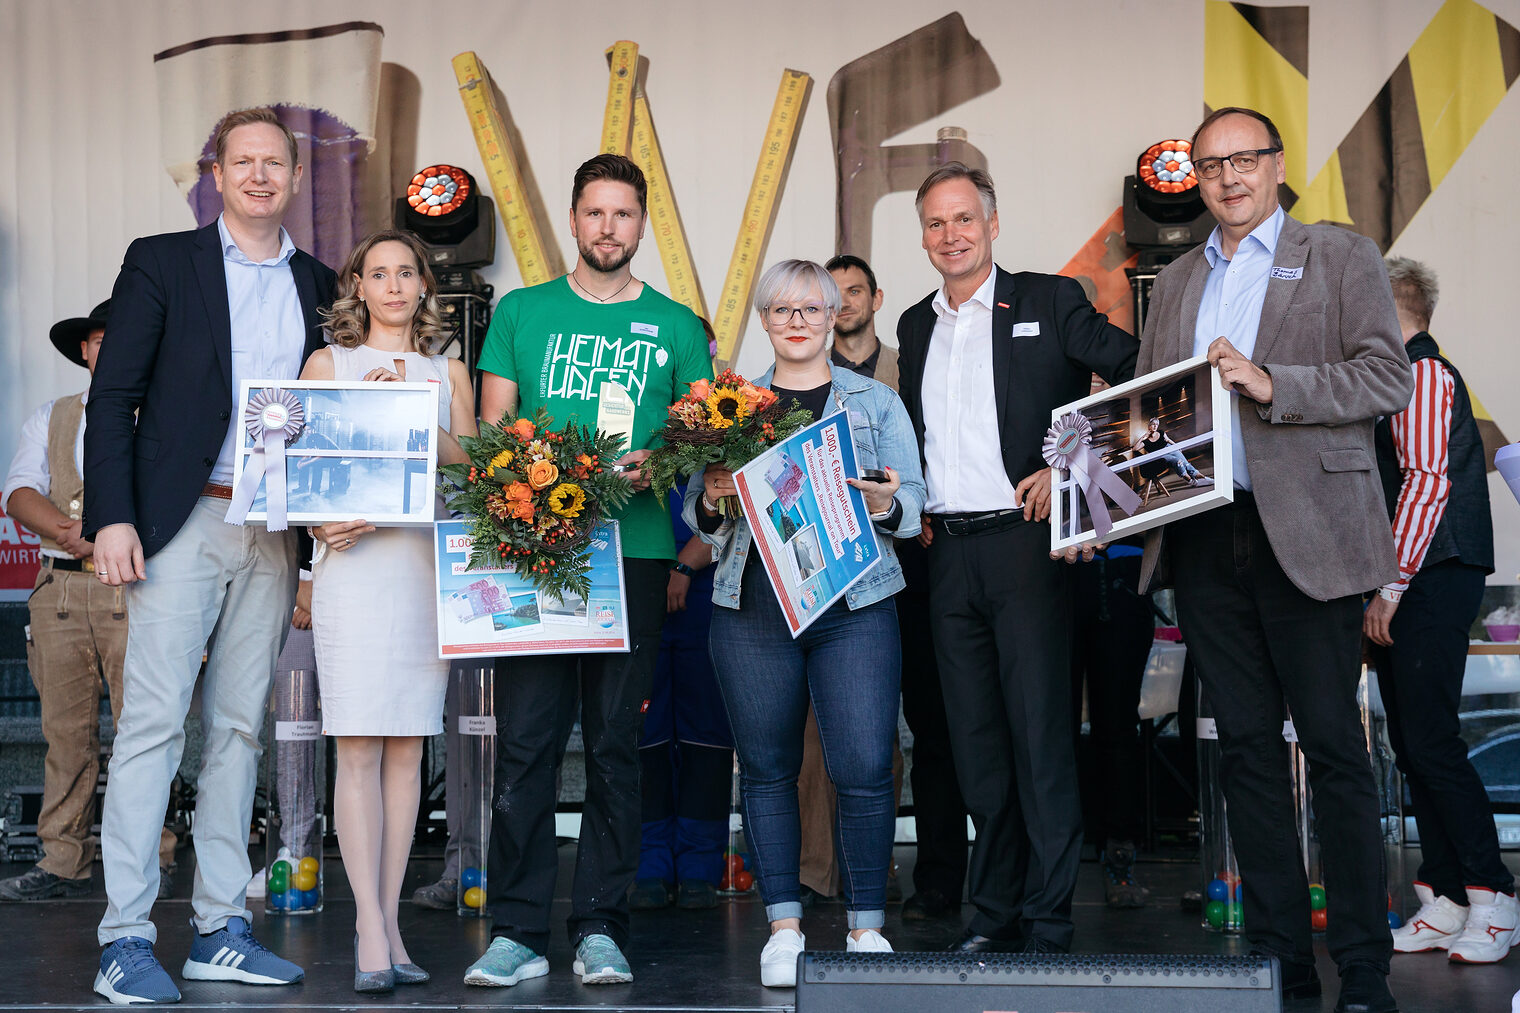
71, 565
979, 523
219, 491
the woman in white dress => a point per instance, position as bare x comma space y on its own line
373, 610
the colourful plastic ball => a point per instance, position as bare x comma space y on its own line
281, 866
1213, 913
471, 877
1317, 920
743, 879
279, 901
278, 883
1219, 890
309, 864
309, 898
1232, 917
474, 897
735, 865
304, 880
1316, 897
1240, 893
1394, 921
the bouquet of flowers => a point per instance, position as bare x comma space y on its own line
533, 496
729, 422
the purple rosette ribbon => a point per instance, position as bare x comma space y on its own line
1068, 446
274, 418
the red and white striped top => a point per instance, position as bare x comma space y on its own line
1420, 434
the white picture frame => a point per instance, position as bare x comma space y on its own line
1194, 412
367, 450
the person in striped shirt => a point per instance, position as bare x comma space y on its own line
1432, 465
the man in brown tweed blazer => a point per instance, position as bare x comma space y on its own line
1300, 322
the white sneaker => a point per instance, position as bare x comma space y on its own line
255, 889
1435, 926
778, 961
870, 941
1493, 926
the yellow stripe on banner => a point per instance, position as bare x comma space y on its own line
1458, 81
759, 214
664, 217
500, 160
617, 121
1325, 200
1240, 68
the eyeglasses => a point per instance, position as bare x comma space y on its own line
782, 315
1241, 161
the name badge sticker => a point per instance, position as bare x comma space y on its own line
1027, 329
1288, 273
652, 330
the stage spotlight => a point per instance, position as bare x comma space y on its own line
447, 211
1164, 214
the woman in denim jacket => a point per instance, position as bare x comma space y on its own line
848, 662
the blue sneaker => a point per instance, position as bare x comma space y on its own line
506, 963
599, 962
232, 954
130, 973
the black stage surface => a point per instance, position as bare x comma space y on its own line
706, 960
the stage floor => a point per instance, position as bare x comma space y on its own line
705, 960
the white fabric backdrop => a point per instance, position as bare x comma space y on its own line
1086, 85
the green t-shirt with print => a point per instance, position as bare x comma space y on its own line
559, 349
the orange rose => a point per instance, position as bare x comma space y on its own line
700, 390
542, 474
524, 429
519, 501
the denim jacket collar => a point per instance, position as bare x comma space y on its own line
842, 381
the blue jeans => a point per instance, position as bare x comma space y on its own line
1182, 465
850, 665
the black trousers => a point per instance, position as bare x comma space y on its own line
939, 813
1111, 643
1001, 613
1260, 643
1420, 678
537, 702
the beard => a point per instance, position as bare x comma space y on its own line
605, 265
850, 330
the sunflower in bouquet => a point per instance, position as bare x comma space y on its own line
533, 496
729, 421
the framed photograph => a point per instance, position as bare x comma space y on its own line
1157, 434
484, 613
366, 450
811, 528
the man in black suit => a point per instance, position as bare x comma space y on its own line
984, 360
192, 315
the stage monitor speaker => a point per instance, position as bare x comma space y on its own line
1050, 983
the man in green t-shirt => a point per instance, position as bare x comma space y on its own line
560, 346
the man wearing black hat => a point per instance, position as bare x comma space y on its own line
78, 631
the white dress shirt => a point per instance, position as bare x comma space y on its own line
962, 447
268, 329
29, 468
1231, 308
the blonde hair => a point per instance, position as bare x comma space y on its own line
348, 317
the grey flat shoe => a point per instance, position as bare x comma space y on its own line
409, 974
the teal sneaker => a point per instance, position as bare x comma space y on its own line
506, 963
599, 962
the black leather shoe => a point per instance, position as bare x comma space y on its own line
1364, 989
1036, 946
1299, 981
929, 904
973, 943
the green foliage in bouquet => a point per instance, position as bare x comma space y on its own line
533, 495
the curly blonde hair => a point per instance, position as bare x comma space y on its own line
348, 317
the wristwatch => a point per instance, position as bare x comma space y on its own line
682, 568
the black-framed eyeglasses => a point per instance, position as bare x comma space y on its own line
1241, 161
782, 315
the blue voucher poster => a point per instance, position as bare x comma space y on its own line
812, 528
489, 612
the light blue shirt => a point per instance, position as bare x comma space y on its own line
1231, 308
268, 328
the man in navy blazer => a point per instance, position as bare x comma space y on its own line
192, 315
984, 360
